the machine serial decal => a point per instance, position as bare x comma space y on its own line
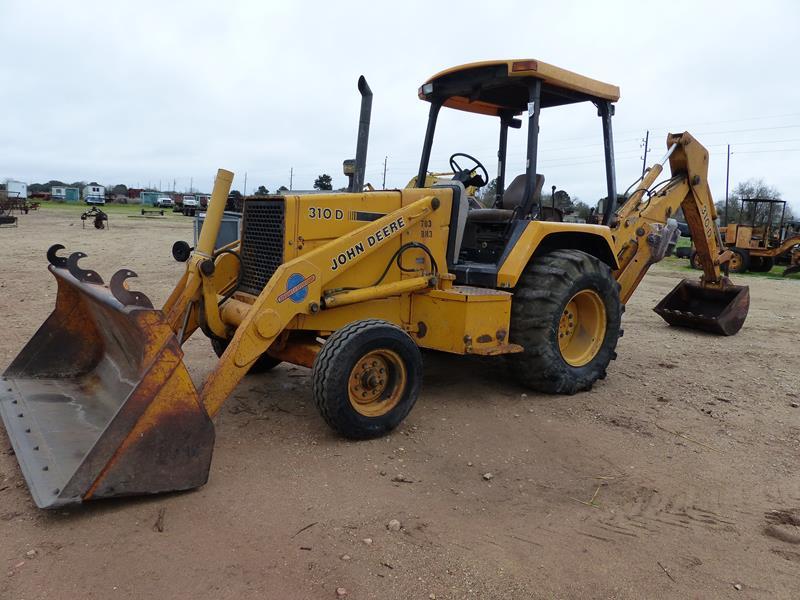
375, 238
297, 287
325, 214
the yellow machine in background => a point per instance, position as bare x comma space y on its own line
761, 238
352, 285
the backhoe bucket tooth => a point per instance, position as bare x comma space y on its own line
99, 402
692, 305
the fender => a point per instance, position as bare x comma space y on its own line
538, 237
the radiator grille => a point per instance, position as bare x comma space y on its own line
262, 243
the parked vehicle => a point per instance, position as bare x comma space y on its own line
190, 204
164, 202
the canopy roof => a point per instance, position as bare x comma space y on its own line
494, 87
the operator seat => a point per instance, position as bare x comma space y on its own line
512, 198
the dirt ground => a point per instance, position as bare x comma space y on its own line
675, 477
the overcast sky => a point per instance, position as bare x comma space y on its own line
144, 92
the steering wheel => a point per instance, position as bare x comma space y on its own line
474, 179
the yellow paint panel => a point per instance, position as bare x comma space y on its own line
533, 236
328, 216
743, 236
461, 320
321, 218
550, 74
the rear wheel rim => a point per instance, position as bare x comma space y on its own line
736, 262
377, 382
582, 328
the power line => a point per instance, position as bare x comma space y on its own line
756, 142
749, 130
763, 151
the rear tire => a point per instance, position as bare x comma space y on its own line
740, 261
761, 264
695, 261
366, 378
564, 298
263, 363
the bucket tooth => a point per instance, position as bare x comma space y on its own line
54, 259
716, 310
82, 275
123, 294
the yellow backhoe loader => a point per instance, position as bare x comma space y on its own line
99, 402
760, 239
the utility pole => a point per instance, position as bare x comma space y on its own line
727, 181
191, 184
291, 177
245, 184
646, 150
385, 160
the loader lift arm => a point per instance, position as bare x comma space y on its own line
194, 300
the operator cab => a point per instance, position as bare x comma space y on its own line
506, 90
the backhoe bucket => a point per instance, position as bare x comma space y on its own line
692, 305
99, 402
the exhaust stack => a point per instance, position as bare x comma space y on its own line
357, 175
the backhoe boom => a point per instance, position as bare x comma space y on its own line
645, 228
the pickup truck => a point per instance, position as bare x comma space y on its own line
163, 202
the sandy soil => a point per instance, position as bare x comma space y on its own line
676, 477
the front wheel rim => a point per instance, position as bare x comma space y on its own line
377, 382
582, 328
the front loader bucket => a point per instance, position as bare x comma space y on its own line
99, 402
692, 305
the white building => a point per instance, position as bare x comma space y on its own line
17, 189
94, 194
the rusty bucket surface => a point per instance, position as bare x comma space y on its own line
99, 402
720, 311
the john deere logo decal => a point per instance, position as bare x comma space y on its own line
297, 287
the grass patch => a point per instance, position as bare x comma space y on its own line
111, 209
775, 273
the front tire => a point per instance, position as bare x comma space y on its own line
566, 313
740, 261
366, 378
